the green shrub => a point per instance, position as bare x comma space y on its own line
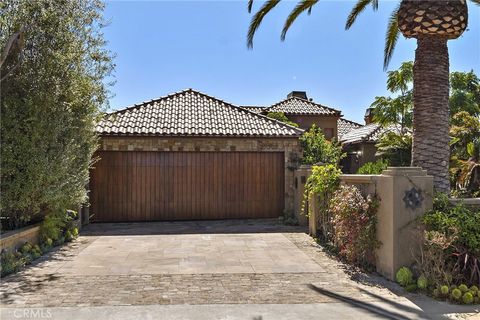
317, 149
68, 236
422, 282
11, 262
26, 248
474, 289
395, 148
280, 116
444, 290
467, 298
52, 226
321, 185
36, 252
354, 220
324, 179
373, 167
456, 294
48, 242
75, 232
463, 288
59, 241
455, 220
451, 243
404, 276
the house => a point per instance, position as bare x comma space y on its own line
359, 142
359, 146
298, 108
192, 156
344, 126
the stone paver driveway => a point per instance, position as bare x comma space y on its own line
188, 254
220, 265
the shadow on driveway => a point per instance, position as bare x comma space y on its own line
189, 227
417, 307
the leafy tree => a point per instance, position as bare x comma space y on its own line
430, 23
464, 93
464, 103
395, 148
396, 110
280, 116
53, 89
465, 160
317, 149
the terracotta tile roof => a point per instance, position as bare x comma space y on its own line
191, 113
368, 133
298, 106
362, 134
256, 109
344, 126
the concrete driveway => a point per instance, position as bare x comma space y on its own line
201, 270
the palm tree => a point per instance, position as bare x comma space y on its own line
432, 23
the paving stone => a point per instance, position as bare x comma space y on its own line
281, 272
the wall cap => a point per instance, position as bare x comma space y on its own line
404, 171
359, 178
466, 201
17, 232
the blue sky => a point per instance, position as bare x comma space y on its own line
167, 46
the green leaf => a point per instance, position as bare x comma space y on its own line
391, 38
258, 18
471, 149
301, 7
357, 9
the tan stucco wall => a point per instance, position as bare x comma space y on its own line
366, 153
290, 147
305, 122
395, 228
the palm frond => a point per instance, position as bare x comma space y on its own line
301, 7
258, 18
357, 9
391, 38
375, 5
249, 6
477, 2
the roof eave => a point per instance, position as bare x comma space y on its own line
107, 134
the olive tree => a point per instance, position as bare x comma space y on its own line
54, 84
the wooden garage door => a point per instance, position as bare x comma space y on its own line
144, 186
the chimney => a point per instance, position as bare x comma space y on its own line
298, 94
368, 116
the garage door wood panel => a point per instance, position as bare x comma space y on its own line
147, 186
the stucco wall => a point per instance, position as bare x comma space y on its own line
357, 155
324, 122
290, 147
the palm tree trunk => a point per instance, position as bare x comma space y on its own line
431, 149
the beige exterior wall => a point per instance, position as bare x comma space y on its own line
290, 147
365, 152
395, 228
324, 122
